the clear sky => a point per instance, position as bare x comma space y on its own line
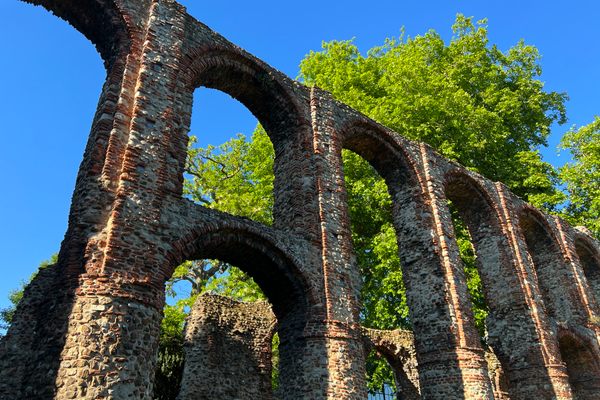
50, 79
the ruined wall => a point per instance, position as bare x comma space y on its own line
398, 349
228, 350
89, 327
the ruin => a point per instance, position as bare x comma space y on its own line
88, 327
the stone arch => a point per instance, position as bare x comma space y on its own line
582, 360
480, 213
549, 263
484, 222
102, 22
266, 93
425, 266
375, 145
259, 88
397, 348
589, 257
495, 263
395, 165
274, 268
258, 254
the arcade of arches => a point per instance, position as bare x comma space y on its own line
88, 328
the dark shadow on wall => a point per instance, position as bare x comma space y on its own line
590, 262
583, 366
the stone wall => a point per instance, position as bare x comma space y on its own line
397, 347
89, 327
228, 350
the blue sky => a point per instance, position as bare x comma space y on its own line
50, 79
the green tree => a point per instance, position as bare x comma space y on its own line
582, 176
475, 104
235, 177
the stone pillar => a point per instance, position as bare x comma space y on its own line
451, 360
112, 331
528, 380
337, 332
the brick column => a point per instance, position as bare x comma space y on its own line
528, 380
112, 331
451, 360
338, 331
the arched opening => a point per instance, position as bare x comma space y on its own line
497, 296
549, 263
267, 95
230, 160
383, 294
480, 241
370, 208
590, 262
393, 355
382, 383
582, 366
393, 380
274, 276
410, 224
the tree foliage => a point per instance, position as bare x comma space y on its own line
235, 177
475, 104
582, 176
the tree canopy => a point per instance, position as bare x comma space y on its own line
472, 102
582, 176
